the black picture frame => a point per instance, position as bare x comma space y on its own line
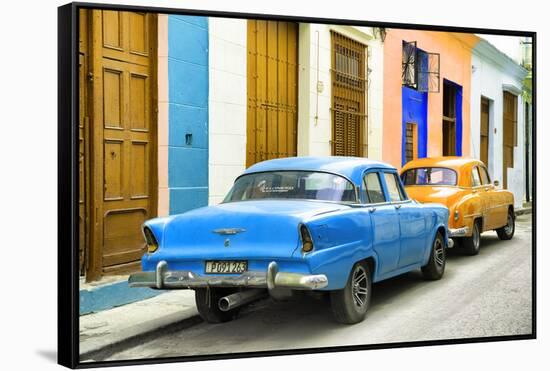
68, 281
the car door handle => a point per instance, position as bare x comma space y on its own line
372, 209
398, 207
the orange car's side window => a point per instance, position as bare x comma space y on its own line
476, 180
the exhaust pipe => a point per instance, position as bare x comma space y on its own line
239, 298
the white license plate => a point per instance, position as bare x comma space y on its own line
226, 266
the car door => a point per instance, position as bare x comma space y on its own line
412, 224
484, 197
385, 223
497, 210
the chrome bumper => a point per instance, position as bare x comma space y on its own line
459, 232
162, 278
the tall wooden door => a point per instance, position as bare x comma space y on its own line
484, 132
83, 144
122, 176
411, 142
449, 120
272, 70
509, 133
348, 96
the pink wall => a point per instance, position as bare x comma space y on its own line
455, 58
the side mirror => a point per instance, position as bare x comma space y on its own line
496, 183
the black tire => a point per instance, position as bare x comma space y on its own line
438, 257
207, 305
470, 245
350, 304
507, 232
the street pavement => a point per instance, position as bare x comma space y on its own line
484, 295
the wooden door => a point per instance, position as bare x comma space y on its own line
348, 96
449, 120
411, 142
272, 70
122, 177
83, 144
509, 134
484, 131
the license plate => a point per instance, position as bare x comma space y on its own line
226, 266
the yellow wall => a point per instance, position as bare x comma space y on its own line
455, 58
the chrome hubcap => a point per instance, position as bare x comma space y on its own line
359, 289
509, 228
439, 253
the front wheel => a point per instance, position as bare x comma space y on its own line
507, 232
436, 264
207, 305
350, 305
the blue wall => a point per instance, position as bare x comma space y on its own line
414, 110
187, 112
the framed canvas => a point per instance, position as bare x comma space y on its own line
240, 185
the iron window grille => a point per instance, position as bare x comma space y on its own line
420, 69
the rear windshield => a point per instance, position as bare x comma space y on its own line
306, 185
429, 176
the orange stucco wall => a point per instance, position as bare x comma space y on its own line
455, 65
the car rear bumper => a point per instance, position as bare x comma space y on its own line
162, 278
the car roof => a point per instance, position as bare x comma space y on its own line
452, 162
350, 167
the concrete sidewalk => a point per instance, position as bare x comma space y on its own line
108, 329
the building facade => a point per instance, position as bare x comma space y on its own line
426, 90
498, 117
173, 108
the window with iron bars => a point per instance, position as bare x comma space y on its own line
420, 69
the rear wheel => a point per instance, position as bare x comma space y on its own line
207, 305
350, 305
436, 265
507, 232
470, 245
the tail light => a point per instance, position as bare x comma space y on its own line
307, 242
150, 240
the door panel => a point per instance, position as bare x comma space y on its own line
124, 170
413, 234
509, 136
484, 132
272, 67
83, 145
385, 239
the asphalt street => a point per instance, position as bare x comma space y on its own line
484, 295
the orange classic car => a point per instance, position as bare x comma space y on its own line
475, 204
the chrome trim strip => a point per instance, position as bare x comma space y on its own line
229, 231
459, 232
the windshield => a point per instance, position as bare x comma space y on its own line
307, 185
429, 176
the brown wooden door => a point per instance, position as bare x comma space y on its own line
83, 144
449, 120
348, 96
509, 134
411, 142
272, 67
123, 165
484, 131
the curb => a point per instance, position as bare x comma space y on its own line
523, 211
142, 333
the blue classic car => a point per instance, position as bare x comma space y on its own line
330, 224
